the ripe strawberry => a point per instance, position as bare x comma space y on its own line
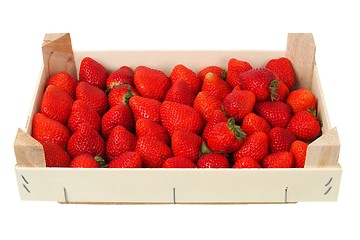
186, 144
126, 160
93, 72
254, 123
278, 160
213, 160
153, 152
56, 104
284, 71
255, 146
86, 160
176, 116
278, 91
55, 155
280, 139
298, 150
301, 99
186, 74
239, 103
218, 71
278, 114
123, 75
117, 115
206, 104
235, 68
143, 107
45, 129
152, 130
120, 140
216, 86
83, 113
178, 162
64, 81
246, 162
86, 140
305, 126
121, 94
151, 83
93, 96
180, 92
216, 117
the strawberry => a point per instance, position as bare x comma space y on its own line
278, 160
86, 160
143, 107
120, 140
298, 150
56, 104
64, 81
153, 152
117, 115
126, 160
152, 130
186, 144
305, 126
278, 114
86, 140
92, 96
218, 71
121, 94
55, 155
206, 104
186, 74
93, 72
246, 162
255, 146
254, 123
239, 103
178, 162
180, 92
216, 117
151, 83
83, 113
216, 86
280, 139
235, 68
213, 160
278, 91
176, 116
45, 129
123, 75
301, 99
283, 69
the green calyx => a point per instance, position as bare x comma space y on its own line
223, 74
238, 132
128, 95
273, 87
204, 149
100, 161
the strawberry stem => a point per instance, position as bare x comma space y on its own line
223, 74
238, 132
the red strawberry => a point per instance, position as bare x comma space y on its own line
153, 152
151, 83
180, 92
83, 113
298, 150
152, 130
123, 75
56, 104
218, 71
120, 140
255, 146
45, 129
278, 114
93, 72
178, 162
86, 160
278, 91
301, 99
216, 117
86, 140
186, 144
55, 155
283, 69
239, 103
280, 139
278, 160
143, 107
206, 104
213, 160
121, 94
235, 68
64, 81
305, 126
117, 115
93, 96
217, 87
254, 123
186, 74
126, 160
246, 162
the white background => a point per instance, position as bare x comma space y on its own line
180, 25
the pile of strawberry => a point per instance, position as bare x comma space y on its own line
243, 118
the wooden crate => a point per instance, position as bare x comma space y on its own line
318, 181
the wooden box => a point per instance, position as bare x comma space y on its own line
318, 181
